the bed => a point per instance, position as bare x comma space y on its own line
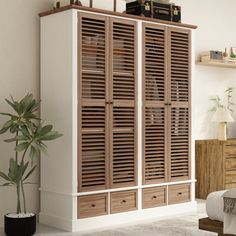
216, 217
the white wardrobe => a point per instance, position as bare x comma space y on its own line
119, 89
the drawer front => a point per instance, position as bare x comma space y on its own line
230, 150
124, 201
230, 176
154, 197
230, 185
230, 163
179, 193
94, 205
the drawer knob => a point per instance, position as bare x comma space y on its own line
154, 197
93, 205
179, 194
123, 201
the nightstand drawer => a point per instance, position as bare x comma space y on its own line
124, 201
153, 197
230, 150
94, 205
230, 185
230, 163
179, 193
230, 176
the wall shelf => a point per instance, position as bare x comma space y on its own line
218, 64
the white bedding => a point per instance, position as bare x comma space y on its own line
215, 205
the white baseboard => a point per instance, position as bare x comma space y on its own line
114, 220
55, 221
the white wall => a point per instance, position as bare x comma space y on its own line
19, 74
19, 66
215, 21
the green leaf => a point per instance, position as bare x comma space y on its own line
33, 152
24, 168
14, 128
12, 104
6, 114
6, 126
30, 173
17, 138
45, 130
6, 184
22, 146
51, 136
4, 176
25, 131
13, 170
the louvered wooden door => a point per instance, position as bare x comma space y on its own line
93, 113
154, 108
166, 103
123, 97
107, 108
179, 94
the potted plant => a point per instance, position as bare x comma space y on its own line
29, 135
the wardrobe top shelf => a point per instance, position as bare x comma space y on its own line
88, 9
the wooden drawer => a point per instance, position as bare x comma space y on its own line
124, 201
230, 150
230, 176
153, 197
230, 163
230, 185
179, 193
92, 205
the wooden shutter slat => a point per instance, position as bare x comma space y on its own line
154, 61
154, 154
92, 51
179, 146
123, 164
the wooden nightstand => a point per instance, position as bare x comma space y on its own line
215, 166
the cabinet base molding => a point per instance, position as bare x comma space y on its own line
116, 220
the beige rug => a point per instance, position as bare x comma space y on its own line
183, 226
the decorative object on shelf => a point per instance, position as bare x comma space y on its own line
155, 9
63, 3
162, 1
233, 52
29, 137
211, 56
232, 57
218, 58
223, 64
176, 13
222, 112
161, 11
222, 116
110, 5
56, 4
140, 8
225, 55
